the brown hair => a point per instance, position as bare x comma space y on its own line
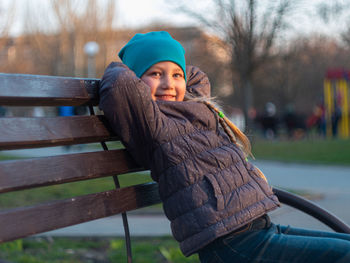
235, 134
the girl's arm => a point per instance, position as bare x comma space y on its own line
133, 115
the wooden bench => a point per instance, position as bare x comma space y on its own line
35, 132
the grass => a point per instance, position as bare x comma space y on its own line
305, 194
55, 192
7, 157
97, 250
331, 152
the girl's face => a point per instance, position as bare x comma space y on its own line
166, 80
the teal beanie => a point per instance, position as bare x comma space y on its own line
145, 50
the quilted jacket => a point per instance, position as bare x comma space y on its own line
207, 187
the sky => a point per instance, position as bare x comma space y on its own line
130, 13
149, 11
137, 13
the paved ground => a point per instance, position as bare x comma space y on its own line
333, 182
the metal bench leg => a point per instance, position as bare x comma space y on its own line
124, 216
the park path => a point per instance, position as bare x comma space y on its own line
332, 182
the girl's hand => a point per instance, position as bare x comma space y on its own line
198, 84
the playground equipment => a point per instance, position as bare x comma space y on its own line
336, 102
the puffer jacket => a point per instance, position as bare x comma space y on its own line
207, 187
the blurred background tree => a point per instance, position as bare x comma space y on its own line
7, 13
55, 36
249, 33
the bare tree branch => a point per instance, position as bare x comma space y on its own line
75, 22
6, 17
250, 35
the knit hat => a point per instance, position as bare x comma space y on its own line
145, 50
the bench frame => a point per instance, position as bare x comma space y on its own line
22, 133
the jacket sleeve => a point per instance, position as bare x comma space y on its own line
133, 115
198, 84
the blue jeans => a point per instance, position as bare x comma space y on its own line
275, 244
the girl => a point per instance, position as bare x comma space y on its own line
217, 202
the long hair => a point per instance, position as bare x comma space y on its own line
234, 133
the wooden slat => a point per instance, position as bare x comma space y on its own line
37, 90
64, 168
18, 133
22, 222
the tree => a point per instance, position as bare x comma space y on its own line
329, 10
7, 14
296, 75
69, 25
249, 32
336, 11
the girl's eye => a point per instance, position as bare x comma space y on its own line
155, 73
178, 75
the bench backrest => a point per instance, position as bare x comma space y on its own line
35, 132
30, 132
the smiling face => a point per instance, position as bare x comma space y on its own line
166, 80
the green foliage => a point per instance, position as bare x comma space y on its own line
335, 152
4, 157
154, 249
174, 255
12, 247
55, 250
81, 250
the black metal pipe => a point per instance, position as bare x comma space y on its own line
313, 210
124, 216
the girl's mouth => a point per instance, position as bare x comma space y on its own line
166, 97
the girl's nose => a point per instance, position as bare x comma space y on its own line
167, 82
